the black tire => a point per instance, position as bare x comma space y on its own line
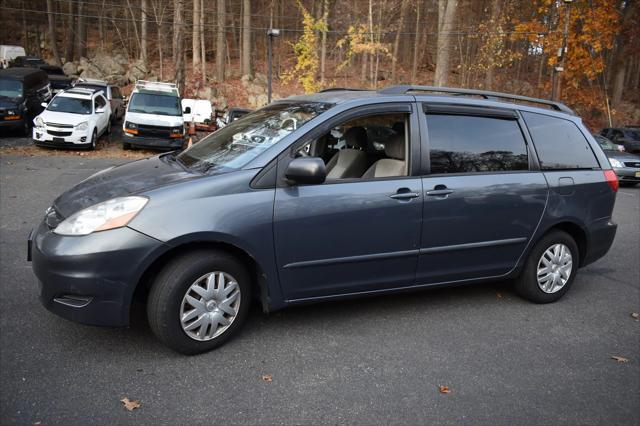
26, 127
107, 130
126, 145
170, 287
94, 140
526, 285
628, 184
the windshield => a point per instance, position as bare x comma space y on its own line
635, 134
605, 143
152, 103
70, 105
235, 145
10, 88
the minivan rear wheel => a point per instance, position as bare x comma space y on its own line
550, 268
199, 300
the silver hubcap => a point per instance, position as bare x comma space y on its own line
554, 268
210, 305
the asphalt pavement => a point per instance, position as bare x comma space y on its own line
367, 361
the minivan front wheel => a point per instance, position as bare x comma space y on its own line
550, 269
198, 301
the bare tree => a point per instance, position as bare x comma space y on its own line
81, 32
246, 38
396, 44
68, 51
323, 42
495, 14
623, 46
159, 9
446, 16
178, 25
203, 50
51, 18
195, 35
416, 43
143, 31
220, 42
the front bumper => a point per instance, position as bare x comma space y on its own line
628, 174
5, 124
165, 144
61, 136
90, 279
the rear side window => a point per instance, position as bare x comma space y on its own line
472, 144
559, 143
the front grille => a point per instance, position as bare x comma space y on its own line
52, 218
632, 164
62, 126
154, 131
56, 133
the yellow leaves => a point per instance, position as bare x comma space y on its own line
359, 42
444, 389
306, 52
129, 404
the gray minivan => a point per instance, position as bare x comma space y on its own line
338, 194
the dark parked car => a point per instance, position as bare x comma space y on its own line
112, 93
628, 136
27, 61
22, 91
59, 81
626, 165
271, 208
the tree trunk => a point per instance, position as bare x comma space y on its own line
220, 42
51, 18
396, 44
323, 42
416, 43
135, 28
160, 42
246, 38
81, 34
71, 34
495, 13
143, 31
446, 16
195, 36
203, 50
178, 25
622, 51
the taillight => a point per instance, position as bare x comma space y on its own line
612, 179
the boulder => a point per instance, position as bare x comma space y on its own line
260, 79
261, 100
107, 63
88, 70
118, 80
137, 71
219, 103
70, 68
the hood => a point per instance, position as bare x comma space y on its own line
9, 103
127, 179
622, 156
155, 119
63, 117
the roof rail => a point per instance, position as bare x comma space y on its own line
156, 85
340, 89
403, 89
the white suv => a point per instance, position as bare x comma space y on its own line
76, 117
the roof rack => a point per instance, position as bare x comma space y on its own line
403, 89
156, 85
341, 89
82, 90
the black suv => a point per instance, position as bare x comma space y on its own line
332, 195
628, 137
22, 92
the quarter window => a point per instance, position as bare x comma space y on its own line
471, 144
559, 143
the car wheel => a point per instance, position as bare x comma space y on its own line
198, 301
94, 140
550, 268
108, 129
126, 145
26, 128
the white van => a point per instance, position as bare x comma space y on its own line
154, 117
8, 53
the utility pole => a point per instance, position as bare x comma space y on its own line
556, 81
271, 33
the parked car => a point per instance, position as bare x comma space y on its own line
628, 136
154, 117
74, 118
27, 61
626, 165
59, 81
112, 93
264, 209
22, 91
8, 53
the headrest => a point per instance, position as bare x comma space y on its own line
394, 148
356, 137
398, 127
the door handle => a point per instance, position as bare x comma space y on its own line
404, 194
439, 191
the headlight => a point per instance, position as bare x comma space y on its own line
82, 126
615, 163
111, 214
130, 125
39, 121
11, 112
176, 130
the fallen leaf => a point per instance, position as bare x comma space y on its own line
267, 378
38, 423
620, 359
499, 295
130, 405
635, 316
444, 389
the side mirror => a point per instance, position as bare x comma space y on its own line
44, 104
306, 170
187, 110
99, 110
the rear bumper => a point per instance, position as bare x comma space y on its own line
601, 238
90, 279
154, 143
